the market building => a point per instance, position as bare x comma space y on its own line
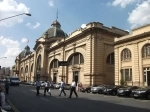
132, 58
88, 51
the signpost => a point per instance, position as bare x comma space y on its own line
63, 63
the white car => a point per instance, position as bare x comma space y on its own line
57, 86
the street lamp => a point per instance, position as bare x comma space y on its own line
2, 57
28, 14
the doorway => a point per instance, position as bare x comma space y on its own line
148, 78
76, 76
54, 77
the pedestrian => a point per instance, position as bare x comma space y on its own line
73, 89
7, 84
46, 87
62, 89
38, 85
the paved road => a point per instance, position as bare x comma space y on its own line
25, 100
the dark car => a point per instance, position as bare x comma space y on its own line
142, 93
126, 91
87, 89
111, 90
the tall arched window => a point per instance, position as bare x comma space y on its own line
26, 69
126, 55
76, 58
110, 58
39, 62
21, 70
54, 63
146, 51
32, 68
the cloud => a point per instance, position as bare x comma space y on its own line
12, 50
122, 3
140, 15
10, 8
24, 40
51, 3
33, 26
83, 25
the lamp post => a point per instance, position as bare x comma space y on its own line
28, 14
2, 57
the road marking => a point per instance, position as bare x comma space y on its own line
44, 99
12, 106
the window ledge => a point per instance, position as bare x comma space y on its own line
145, 58
126, 60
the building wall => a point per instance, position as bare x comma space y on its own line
95, 42
137, 63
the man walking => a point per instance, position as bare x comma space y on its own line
73, 89
46, 88
62, 87
38, 85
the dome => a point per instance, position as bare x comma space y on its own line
25, 52
55, 31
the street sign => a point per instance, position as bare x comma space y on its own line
63, 63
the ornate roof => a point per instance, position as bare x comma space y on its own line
25, 52
55, 31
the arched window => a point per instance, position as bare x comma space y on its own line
110, 58
32, 68
39, 62
126, 55
146, 51
21, 70
26, 69
54, 63
76, 58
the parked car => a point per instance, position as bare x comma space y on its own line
142, 93
57, 85
87, 89
98, 89
126, 91
111, 90
67, 86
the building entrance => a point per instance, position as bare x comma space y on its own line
147, 76
55, 77
76, 76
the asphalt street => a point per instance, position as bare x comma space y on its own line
24, 99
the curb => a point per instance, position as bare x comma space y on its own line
12, 106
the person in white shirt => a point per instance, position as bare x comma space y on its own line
62, 87
73, 89
38, 85
47, 85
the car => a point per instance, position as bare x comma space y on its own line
111, 90
87, 89
67, 86
142, 93
98, 89
57, 85
126, 91
14, 80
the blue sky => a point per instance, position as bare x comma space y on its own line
14, 32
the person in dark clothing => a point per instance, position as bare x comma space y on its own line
62, 87
7, 84
73, 89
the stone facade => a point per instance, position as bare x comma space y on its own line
89, 52
132, 57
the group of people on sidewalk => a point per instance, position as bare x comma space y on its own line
62, 88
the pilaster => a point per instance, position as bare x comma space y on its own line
117, 71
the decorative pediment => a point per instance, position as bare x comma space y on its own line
75, 68
54, 70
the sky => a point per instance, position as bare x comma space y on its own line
18, 32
